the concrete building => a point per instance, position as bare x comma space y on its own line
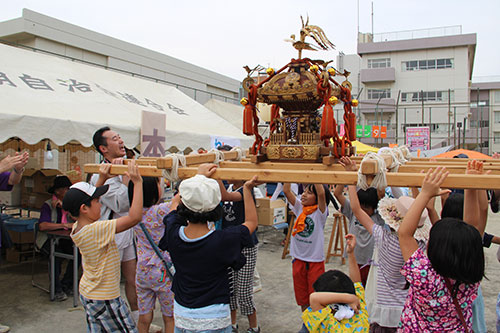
415, 78
484, 133
44, 33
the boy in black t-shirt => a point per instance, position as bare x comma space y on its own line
241, 280
202, 256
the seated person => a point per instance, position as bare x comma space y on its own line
338, 302
53, 217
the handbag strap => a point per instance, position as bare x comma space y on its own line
169, 267
455, 302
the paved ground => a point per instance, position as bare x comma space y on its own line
28, 309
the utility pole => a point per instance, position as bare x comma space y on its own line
422, 96
397, 117
372, 22
465, 125
376, 115
404, 129
449, 115
455, 127
430, 127
478, 124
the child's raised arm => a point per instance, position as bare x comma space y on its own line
320, 191
103, 174
474, 202
287, 190
228, 196
320, 300
360, 214
354, 272
339, 194
251, 221
135, 213
430, 188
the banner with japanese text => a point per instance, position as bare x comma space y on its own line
153, 134
418, 138
46, 97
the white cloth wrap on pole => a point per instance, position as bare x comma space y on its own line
406, 152
394, 167
172, 175
219, 155
397, 151
379, 181
239, 151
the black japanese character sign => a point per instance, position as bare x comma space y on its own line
155, 145
153, 104
131, 98
73, 84
35, 83
177, 110
4, 78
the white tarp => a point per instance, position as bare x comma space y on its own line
231, 112
234, 114
44, 96
432, 152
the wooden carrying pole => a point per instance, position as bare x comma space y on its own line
345, 177
409, 175
369, 165
166, 162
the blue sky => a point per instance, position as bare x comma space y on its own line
224, 35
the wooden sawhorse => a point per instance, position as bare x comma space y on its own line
339, 230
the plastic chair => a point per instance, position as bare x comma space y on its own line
40, 251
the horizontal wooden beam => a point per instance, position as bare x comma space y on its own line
431, 160
455, 169
117, 169
345, 177
166, 162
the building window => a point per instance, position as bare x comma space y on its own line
379, 93
497, 117
481, 103
497, 96
496, 137
379, 63
416, 65
426, 96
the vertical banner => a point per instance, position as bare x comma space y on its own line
367, 131
376, 131
418, 138
359, 131
342, 130
153, 132
383, 132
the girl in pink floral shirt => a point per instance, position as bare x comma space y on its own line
452, 267
151, 279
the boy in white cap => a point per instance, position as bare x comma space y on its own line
100, 283
202, 256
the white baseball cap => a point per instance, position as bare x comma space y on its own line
80, 193
200, 194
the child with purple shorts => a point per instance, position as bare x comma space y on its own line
152, 281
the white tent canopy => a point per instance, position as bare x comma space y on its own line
46, 97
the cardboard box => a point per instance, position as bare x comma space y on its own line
34, 200
11, 198
15, 255
39, 181
25, 237
271, 212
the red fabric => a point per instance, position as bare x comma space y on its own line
364, 273
304, 278
328, 124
